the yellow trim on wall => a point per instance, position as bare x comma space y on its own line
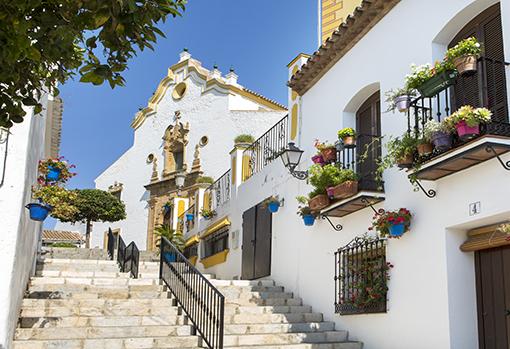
193, 260
192, 240
233, 169
294, 122
218, 258
181, 207
246, 169
222, 223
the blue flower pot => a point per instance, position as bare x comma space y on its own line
189, 216
397, 230
166, 208
53, 174
170, 257
308, 219
38, 212
273, 206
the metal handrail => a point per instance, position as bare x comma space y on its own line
128, 257
111, 244
201, 301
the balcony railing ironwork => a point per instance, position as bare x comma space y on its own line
219, 191
485, 88
268, 147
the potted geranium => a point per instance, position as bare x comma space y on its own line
305, 211
272, 203
401, 150
464, 55
327, 150
55, 170
467, 121
440, 134
429, 80
347, 185
392, 224
400, 99
348, 137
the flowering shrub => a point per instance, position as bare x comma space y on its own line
466, 47
423, 73
346, 132
59, 163
383, 221
471, 116
60, 199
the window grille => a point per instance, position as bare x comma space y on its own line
215, 243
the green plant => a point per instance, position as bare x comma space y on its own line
383, 221
303, 208
176, 238
397, 148
47, 42
466, 47
423, 73
320, 146
207, 214
60, 199
346, 132
244, 138
269, 200
323, 177
347, 175
63, 245
471, 116
433, 126
205, 179
393, 94
59, 163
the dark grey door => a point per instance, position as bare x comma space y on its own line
257, 222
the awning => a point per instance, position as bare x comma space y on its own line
222, 223
192, 240
484, 238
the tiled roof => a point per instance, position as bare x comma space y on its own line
364, 18
60, 235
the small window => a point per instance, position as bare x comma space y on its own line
215, 243
203, 141
179, 90
179, 159
190, 251
361, 277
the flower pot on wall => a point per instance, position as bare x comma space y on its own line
308, 219
406, 161
189, 216
273, 206
53, 174
344, 190
38, 212
466, 64
437, 83
466, 132
403, 103
425, 149
170, 257
397, 230
329, 154
442, 141
318, 202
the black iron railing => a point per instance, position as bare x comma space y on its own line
485, 88
361, 275
111, 244
121, 251
128, 257
219, 191
268, 147
200, 300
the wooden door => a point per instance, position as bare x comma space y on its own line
488, 87
256, 247
368, 127
492, 269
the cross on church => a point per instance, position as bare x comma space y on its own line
177, 115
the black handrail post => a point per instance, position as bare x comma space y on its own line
161, 258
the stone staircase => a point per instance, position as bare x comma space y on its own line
89, 304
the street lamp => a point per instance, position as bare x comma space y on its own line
291, 156
179, 180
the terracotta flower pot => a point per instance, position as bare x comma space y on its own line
349, 141
406, 161
425, 149
329, 154
318, 202
466, 64
344, 190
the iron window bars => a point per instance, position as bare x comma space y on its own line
215, 243
361, 275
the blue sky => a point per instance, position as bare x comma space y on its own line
258, 38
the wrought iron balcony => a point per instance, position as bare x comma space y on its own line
484, 88
219, 191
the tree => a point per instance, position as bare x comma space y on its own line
45, 42
174, 237
94, 205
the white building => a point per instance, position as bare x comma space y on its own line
188, 127
439, 295
21, 148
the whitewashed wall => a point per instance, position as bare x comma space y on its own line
432, 298
217, 114
19, 236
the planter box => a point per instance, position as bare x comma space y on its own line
437, 83
345, 190
329, 154
319, 202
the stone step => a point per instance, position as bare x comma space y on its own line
344, 345
264, 302
125, 343
285, 338
102, 321
96, 303
238, 289
82, 274
235, 309
93, 267
76, 262
105, 294
273, 318
279, 328
91, 281
232, 294
224, 283
102, 332
94, 288
116, 310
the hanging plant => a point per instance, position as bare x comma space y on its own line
207, 214
272, 203
60, 200
305, 211
392, 224
55, 170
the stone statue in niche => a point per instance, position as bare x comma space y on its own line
175, 142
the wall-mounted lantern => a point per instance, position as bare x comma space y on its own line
291, 156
